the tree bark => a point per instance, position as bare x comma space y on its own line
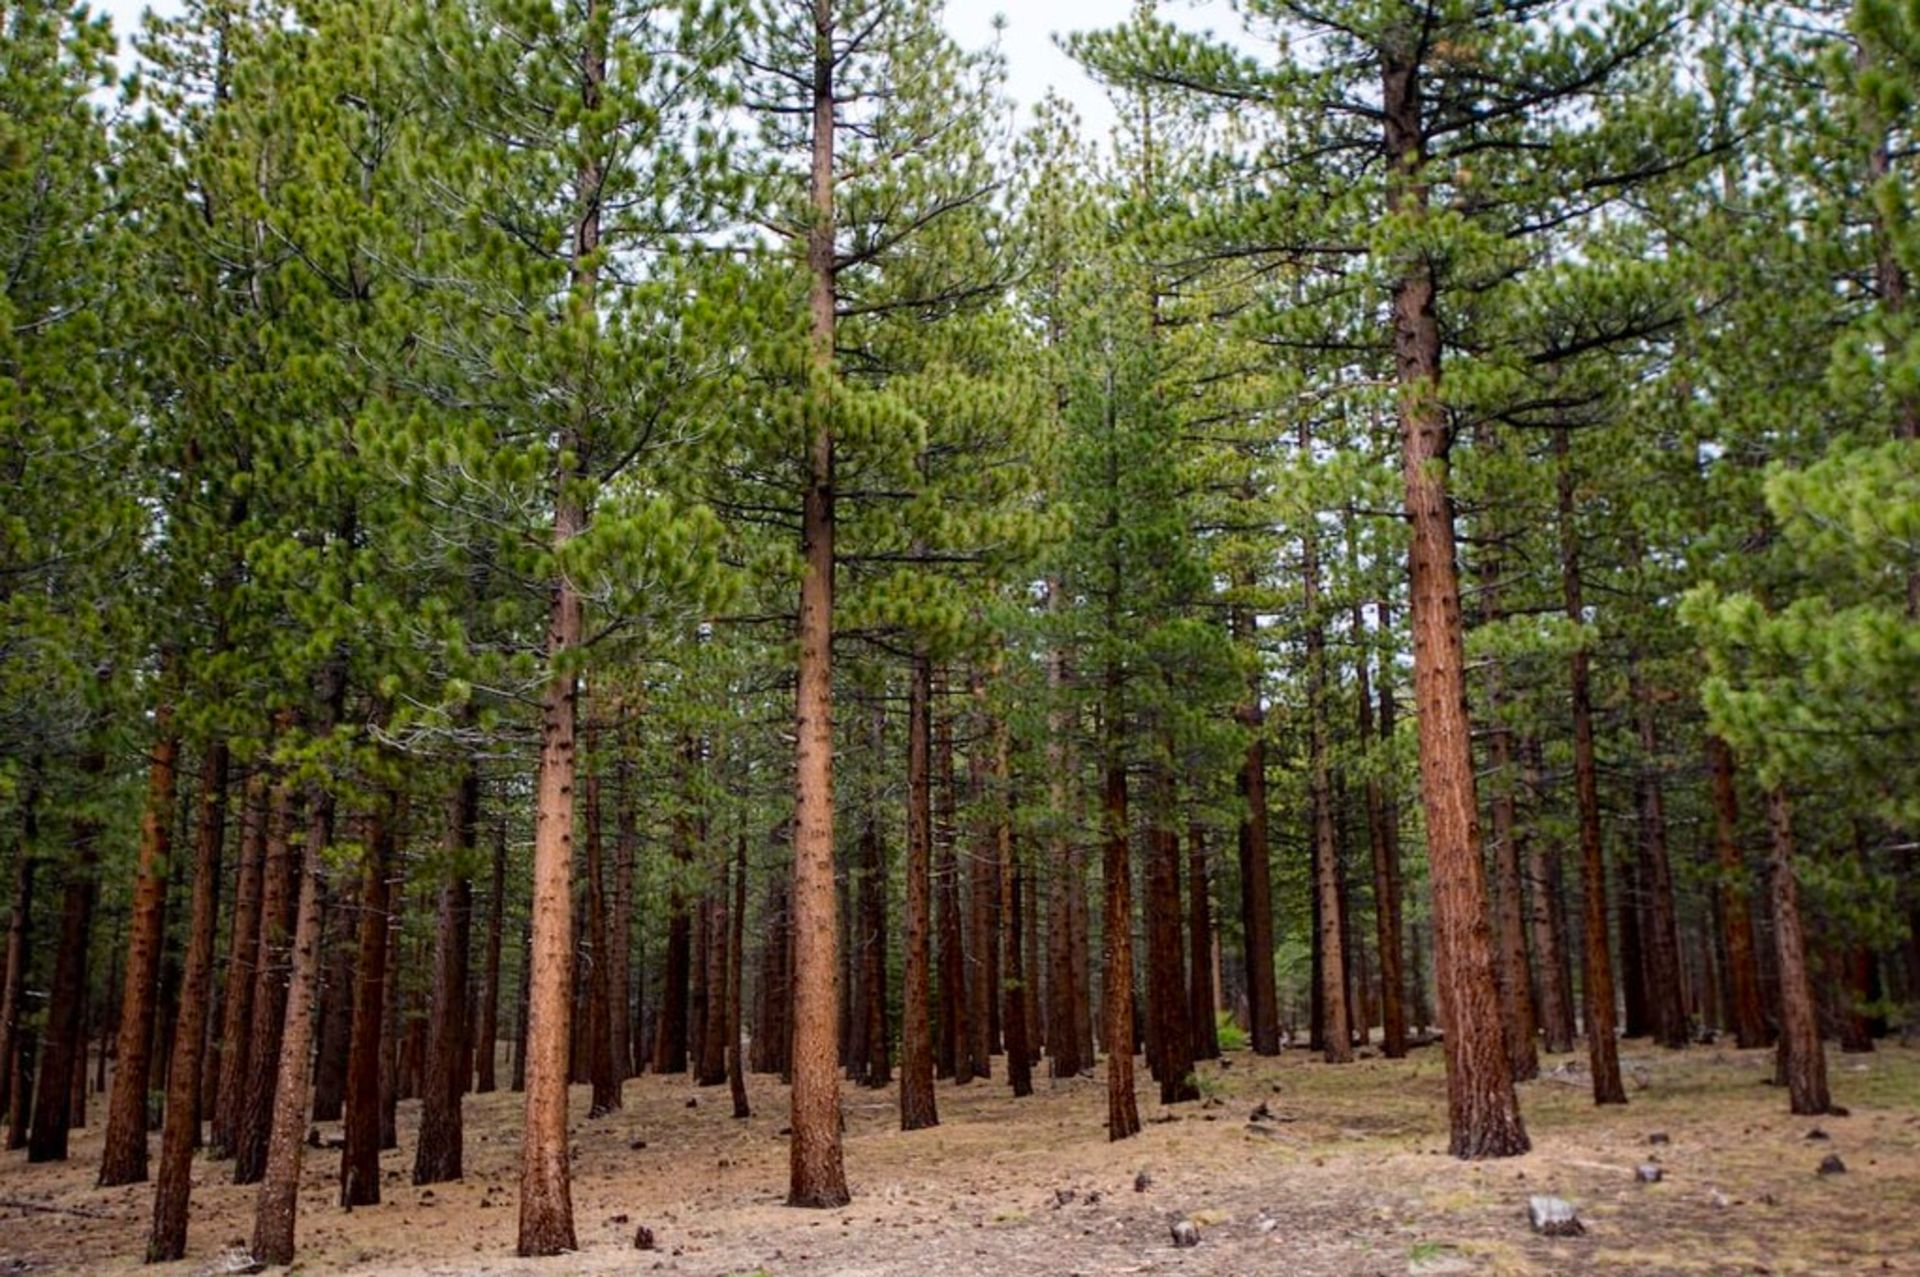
1483, 1112
1544, 922
736, 944
983, 892
1063, 1037
951, 1058
1743, 968
123, 1155
439, 1150
1334, 1021
488, 1040
670, 1033
1116, 1011
1201, 996
360, 1153
168, 1238
279, 866
817, 1174
626, 847
1803, 1057
918, 1107
1382, 849
713, 1047
602, 1069
19, 951
1256, 884
1664, 992
1172, 1042
243, 963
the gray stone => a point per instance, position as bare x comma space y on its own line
1186, 1233
1648, 1173
1832, 1165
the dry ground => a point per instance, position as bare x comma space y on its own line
1352, 1179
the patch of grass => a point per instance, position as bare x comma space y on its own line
1427, 1252
1232, 1036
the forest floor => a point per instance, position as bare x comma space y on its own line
1351, 1179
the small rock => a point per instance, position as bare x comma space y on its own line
1817, 1134
693, 1101
1185, 1234
643, 1238
1261, 1114
618, 1219
637, 1145
1093, 1197
1659, 1137
1142, 1182
1554, 1217
1648, 1173
1061, 1196
1832, 1165
1719, 1200
1839, 1110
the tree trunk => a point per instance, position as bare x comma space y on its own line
1256, 886
1743, 968
1116, 1010
983, 894
602, 1069
1483, 1112
488, 1043
1172, 1049
1013, 907
243, 962
438, 1153
19, 951
1201, 998
626, 846
918, 1108
123, 1155
816, 1171
713, 1046
1334, 1021
1664, 992
168, 1239
736, 944
951, 1058
1544, 922
1063, 1037
670, 1033
335, 1014
360, 1154
277, 1205
1803, 1057
872, 1062
1597, 997
1382, 849
269, 990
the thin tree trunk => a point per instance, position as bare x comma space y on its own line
1803, 1057
736, 944
872, 1062
1116, 1011
670, 1033
626, 846
123, 1155
489, 1035
1201, 998
951, 1058
1172, 1046
918, 1107
168, 1238
1483, 1111
243, 962
1544, 921
602, 1070
438, 1152
713, 1047
1063, 1036
19, 952
361, 1145
1335, 1020
1381, 846
1013, 907
279, 867
983, 893
1656, 880
1256, 886
1743, 968
335, 1015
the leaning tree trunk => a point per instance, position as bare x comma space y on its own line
1803, 1058
123, 1155
1483, 1111
168, 1239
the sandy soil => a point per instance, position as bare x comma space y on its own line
1351, 1179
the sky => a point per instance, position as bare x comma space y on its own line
1035, 62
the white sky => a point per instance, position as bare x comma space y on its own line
1035, 62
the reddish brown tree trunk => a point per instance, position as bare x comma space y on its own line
13, 1035
1656, 881
1256, 885
983, 894
439, 1150
1064, 1058
487, 1045
360, 1153
243, 962
918, 1107
1803, 1058
1201, 997
713, 1046
1013, 907
1544, 923
168, 1238
670, 1033
626, 845
951, 1058
736, 943
1171, 1055
1743, 968
1116, 1010
1334, 1021
269, 1003
1516, 986
1383, 853
1483, 1112
602, 1071
123, 1156
1603, 1050
335, 1012
816, 1170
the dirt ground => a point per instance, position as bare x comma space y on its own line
1350, 1179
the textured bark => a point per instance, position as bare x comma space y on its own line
950, 956
19, 952
736, 944
1597, 992
603, 1071
1736, 918
360, 1153
918, 1107
1632, 971
1516, 985
243, 963
1256, 884
167, 1239
487, 1039
1014, 1014
712, 1070
1664, 993
1064, 1058
872, 1064
276, 1207
123, 1155
277, 892
816, 1170
983, 893
1171, 1055
1483, 1112
670, 1033
335, 1010
63, 1040
1383, 854
438, 1151
1116, 1010
1334, 1021
1803, 1060
1201, 995
626, 847
1544, 924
